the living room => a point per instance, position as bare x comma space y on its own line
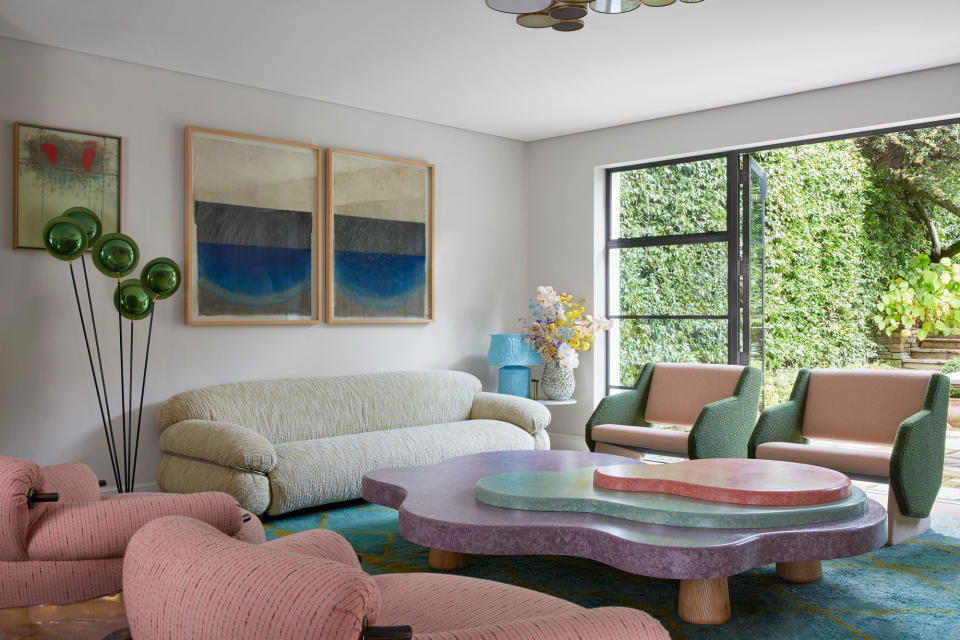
519, 176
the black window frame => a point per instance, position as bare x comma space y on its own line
734, 158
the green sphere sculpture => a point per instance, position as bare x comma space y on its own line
116, 255
161, 277
64, 238
88, 221
132, 300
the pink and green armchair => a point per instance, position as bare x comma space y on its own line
184, 579
68, 546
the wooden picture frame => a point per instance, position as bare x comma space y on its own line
252, 227
56, 168
379, 239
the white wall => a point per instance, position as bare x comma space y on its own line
565, 199
47, 407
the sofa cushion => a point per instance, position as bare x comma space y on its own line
679, 391
846, 459
342, 461
862, 405
296, 409
663, 439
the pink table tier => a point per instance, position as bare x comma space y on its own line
730, 480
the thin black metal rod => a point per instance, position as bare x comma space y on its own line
93, 373
108, 422
123, 398
130, 417
670, 240
143, 386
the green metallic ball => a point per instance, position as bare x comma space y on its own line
88, 221
64, 238
132, 300
161, 277
115, 254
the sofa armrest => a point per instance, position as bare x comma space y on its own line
529, 415
75, 482
724, 427
622, 408
17, 477
916, 462
782, 422
96, 530
225, 444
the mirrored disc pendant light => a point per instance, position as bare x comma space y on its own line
567, 15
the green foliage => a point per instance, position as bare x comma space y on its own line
924, 297
920, 171
952, 366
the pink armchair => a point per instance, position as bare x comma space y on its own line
72, 549
184, 579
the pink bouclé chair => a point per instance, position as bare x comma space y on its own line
184, 579
61, 543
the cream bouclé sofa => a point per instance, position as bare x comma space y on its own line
281, 445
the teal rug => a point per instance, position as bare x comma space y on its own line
911, 590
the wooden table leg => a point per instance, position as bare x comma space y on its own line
704, 601
447, 560
806, 571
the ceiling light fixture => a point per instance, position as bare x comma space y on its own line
567, 15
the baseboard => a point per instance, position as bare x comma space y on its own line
140, 487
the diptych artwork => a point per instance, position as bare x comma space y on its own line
379, 239
252, 229
56, 169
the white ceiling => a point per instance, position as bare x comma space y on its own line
458, 63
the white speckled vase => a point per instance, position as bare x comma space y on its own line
557, 383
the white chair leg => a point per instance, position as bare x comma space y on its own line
899, 526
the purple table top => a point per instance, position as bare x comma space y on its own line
437, 508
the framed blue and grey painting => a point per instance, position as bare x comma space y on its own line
252, 229
379, 243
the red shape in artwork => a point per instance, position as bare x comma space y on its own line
86, 158
51, 151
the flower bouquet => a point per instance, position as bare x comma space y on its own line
558, 331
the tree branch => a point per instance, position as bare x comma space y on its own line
924, 215
940, 202
951, 251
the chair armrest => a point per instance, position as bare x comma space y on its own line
916, 463
723, 428
17, 478
529, 415
74, 482
622, 408
719, 431
779, 423
225, 444
609, 623
782, 422
97, 530
319, 543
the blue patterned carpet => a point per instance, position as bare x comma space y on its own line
911, 590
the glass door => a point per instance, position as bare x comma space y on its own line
753, 184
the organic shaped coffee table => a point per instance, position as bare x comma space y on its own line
438, 508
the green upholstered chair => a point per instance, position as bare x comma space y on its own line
709, 411
905, 410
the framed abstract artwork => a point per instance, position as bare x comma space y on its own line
252, 229
56, 169
379, 241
